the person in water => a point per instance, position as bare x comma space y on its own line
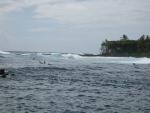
3, 73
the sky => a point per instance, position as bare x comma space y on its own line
72, 26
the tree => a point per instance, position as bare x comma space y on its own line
124, 38
104, 47
142, 37
127, 47
147, 37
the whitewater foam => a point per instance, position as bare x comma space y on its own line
118, 60
143, 61
60, 55
71, 56
99, 59
3, 52
66, 56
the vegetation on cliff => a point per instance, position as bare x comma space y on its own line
127, 47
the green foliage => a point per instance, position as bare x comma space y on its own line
126, 47
124, 37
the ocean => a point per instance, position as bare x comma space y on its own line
40, 82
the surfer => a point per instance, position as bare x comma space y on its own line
3, 73
135, 65
42, 62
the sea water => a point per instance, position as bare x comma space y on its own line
69, 83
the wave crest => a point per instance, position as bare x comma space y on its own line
4, 52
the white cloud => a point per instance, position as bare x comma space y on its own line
40, 29
95, 11
11, 5
83, 11
67, 12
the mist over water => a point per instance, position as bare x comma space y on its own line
69, 83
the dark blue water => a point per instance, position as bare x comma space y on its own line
54, 83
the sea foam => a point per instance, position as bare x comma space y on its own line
3, 52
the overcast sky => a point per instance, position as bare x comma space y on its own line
76, 26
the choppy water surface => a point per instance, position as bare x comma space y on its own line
68, 83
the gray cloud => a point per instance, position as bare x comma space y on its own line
83, 11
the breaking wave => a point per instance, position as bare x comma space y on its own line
38, 59
99, 59
3, 52
60, 55
71, 56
